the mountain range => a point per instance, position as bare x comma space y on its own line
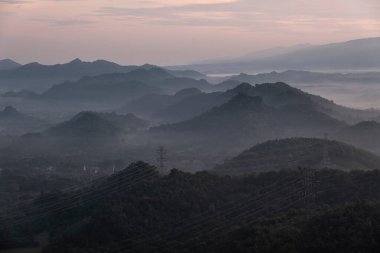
274, 94
121, 87
360, 54
249, 119
37, 77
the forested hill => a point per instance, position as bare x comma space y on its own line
299, 152
183, 211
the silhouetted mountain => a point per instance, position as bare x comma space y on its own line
188, 74
108, 87
10, 112
178, 83
165, 80
274, 94
8, 64
73, 69
351, 55
150, 103
299, 152
188, 92
226, 117
189, 107
246, 118
15, 122
128, 122
85, 124
120, 87
364, 134
93, 124
148, 75
35, 76
227, 84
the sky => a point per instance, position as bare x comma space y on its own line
169, 32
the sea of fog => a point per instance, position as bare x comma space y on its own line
361, 96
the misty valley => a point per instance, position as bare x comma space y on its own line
101, 157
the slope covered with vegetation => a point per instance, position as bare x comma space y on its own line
299, 152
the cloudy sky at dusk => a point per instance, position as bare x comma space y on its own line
174, 31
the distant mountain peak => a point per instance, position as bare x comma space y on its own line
10, 109
7, 64
85, 115
76, 61
7, 60
84, 124
243, 87
148, 66
188, 92
10, 112
278, 87
90, 123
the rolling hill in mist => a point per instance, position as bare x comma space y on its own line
93, 124
14, 122
299, 153
246, 118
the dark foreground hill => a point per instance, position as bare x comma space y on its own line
203, 213
299, 152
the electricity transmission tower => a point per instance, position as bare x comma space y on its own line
161, 157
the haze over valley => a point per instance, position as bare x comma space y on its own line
189, 126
